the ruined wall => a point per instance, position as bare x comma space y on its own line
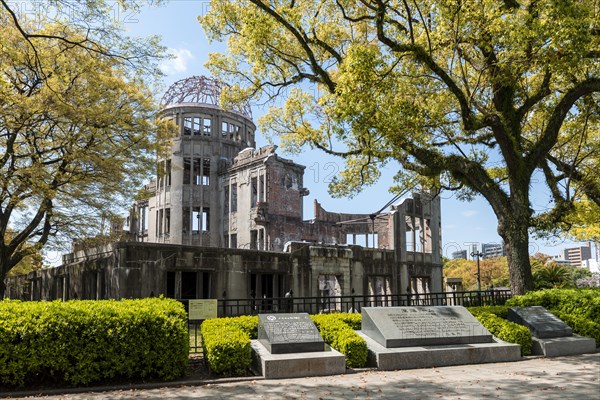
136, 270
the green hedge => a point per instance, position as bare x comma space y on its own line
337, 330
226, 344
503, 329
82, 342
578, 308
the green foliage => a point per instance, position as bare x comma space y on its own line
83, 342
337, 330
77, 135
501, 311
552, 276
506, 330
578, 308
494, 272
226, 344
434, 86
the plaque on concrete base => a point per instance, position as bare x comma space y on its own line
289, 333
551, 336
541, 322
394, 327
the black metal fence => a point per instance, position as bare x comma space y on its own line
352, 303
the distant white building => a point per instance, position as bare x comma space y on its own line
592, 265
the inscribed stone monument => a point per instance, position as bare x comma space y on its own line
422, 326
540, 322
289, 333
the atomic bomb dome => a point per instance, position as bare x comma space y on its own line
199, 90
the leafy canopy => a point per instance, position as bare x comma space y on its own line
76, 130
473, 96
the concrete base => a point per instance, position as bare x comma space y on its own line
563, 346
296, 365
439, 356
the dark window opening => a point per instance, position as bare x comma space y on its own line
187, 170
226, 200
233, 241
205, 219
254, 192
189, 285
253, 239
167, 220
168, 173
206, 285
171, 284
234, 197
185, 219
197, 171
261, 188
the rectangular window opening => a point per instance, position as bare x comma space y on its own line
196, 220
197, 171
206, 126
206, 172
167, 221
205, 219
185, 219
187, 170
196, 126
254, 192
187, 126
234, 197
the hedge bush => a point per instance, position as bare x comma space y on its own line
337, 331
578, 308
82, 342
503, 329
226, 344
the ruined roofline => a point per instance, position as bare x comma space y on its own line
250, 156
171, 107
200, 90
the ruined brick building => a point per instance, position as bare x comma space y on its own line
225, 218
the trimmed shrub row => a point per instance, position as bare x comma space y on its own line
578, 308
226, 344
226, 341
503, 329
340, 335
82, 342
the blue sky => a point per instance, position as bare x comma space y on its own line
462, 222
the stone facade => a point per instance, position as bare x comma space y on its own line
226, 219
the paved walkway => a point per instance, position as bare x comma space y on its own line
573, 377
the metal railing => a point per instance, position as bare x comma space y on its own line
352, 303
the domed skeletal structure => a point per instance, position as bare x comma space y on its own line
200, 89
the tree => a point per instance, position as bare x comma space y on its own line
76, 130
464, 95
494, 272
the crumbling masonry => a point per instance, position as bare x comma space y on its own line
226, 219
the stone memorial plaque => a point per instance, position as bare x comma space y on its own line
422, 326
542, 323
289, 333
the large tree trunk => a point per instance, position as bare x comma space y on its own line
516, 243
2, 278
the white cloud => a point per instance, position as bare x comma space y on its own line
178, 63
469, 213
